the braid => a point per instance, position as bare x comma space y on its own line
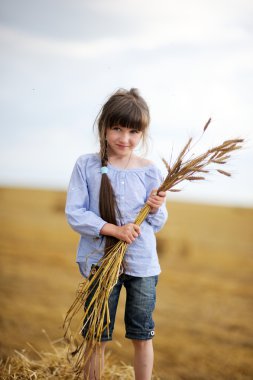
107, 202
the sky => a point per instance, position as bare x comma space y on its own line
60, 60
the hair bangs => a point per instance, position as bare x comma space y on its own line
128, 115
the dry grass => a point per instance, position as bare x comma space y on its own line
53, 364
204, 296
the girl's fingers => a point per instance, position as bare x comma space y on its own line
131, 232
162, 194
157, 199
155, 202
135, 229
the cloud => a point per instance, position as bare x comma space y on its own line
191, 60
52, 46
164, 24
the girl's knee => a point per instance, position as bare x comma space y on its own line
141, 344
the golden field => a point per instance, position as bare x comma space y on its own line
204, 313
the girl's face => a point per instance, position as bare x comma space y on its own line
121, 140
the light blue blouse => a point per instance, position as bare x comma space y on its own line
132, 188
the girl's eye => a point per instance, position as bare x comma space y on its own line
135, 131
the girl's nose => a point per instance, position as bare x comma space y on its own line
124, 137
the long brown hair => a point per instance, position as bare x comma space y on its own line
128, 109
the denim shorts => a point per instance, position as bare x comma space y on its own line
140, 304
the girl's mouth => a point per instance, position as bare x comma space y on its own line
122, 146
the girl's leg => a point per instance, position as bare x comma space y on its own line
143, 359
93, 369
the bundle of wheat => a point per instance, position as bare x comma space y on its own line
99, 286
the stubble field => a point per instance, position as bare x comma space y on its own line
204, 312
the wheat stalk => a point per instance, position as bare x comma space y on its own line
99, 286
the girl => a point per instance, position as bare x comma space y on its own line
106, 192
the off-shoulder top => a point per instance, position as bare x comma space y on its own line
132, 188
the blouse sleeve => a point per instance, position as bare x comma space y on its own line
80, 218
158, 219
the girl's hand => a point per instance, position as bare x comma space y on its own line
128, 233
156, 200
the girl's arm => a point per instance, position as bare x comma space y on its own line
128, 233
80, 218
